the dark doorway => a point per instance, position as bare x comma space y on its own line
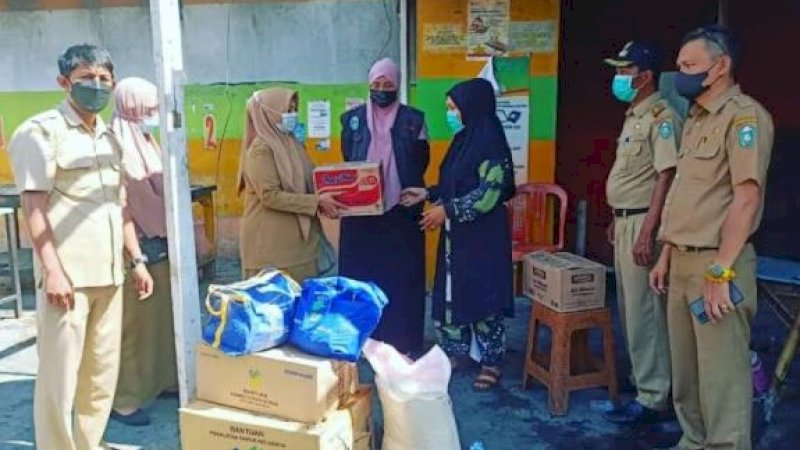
589, 119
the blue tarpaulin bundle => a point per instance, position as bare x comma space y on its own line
251, 315
335, 316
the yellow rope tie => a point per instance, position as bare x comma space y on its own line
226, 296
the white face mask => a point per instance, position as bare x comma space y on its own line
288, 122
149, 125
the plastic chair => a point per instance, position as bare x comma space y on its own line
779, 284
528, 219
527, 213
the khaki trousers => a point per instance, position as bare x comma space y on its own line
712, 380
147, 353
78, 366
644, 318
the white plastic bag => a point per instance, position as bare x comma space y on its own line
417, 411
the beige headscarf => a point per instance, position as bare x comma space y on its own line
263, 115
137, 99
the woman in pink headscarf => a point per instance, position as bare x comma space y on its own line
147, 364
389, 250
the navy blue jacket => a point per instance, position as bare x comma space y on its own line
411, 154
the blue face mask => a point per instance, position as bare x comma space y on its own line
454, 122
149, 125
288, 122
622, 88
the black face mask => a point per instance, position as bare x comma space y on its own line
383, 98
690, 86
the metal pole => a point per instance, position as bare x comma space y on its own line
581, 213
722, 12
404, 50
168, 54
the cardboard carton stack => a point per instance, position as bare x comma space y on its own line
280, 398
564, 282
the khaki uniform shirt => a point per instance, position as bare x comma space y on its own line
725, 143
55, 152
647, 146
270, 233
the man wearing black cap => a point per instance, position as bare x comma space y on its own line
636, 188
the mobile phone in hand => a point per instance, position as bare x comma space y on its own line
698, 306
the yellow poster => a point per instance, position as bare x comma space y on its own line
487, 28
444, 38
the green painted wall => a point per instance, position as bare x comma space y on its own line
226, 102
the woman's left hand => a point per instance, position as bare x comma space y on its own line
433, 218
413, 196
143, 282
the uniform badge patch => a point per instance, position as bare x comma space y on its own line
665, 130
747, 136
354, 123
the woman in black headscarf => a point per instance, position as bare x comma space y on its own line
473, 285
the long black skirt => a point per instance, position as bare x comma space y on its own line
389, 250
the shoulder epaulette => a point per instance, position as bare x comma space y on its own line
658, 109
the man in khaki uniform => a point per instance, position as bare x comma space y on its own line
67, 166
636, 189
713, 208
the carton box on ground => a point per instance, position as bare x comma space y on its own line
205, 426
564, 282
355, 184
359, 405
364, 441
281, 382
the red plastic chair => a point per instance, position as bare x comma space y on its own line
528, 218
527, 213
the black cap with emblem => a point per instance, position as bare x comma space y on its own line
645, 56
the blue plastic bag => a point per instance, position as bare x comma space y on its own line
335, 316
252, 315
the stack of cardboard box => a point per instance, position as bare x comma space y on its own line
280, 398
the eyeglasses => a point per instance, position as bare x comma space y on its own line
715, 37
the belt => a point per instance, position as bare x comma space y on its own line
629, 212
692, 249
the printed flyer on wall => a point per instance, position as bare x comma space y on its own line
514, 113
487, 28
319, 119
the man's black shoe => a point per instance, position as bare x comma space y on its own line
633, 413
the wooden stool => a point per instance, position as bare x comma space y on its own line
13, 262
569, 366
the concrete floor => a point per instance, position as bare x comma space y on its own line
507, 418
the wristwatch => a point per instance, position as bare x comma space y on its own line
718, 274
140, 260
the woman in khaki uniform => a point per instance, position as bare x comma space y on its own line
147, 360
280, 227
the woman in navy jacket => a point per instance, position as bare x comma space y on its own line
389, 250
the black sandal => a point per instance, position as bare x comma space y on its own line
487, 379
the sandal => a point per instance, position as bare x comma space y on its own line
138, 418
487, 379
